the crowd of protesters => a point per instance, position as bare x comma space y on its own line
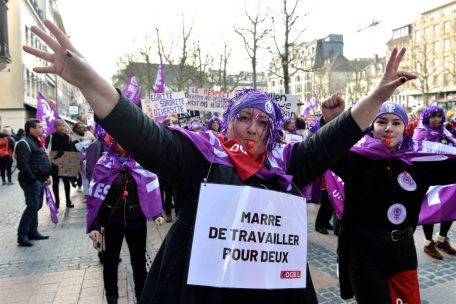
165, 166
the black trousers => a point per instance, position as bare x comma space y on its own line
429, 229
55, 188
136, 241
167, 194
326, 210
372, 260
6, 164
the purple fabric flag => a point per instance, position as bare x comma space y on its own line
106, 170
439, 205
132, 90
312, 191
159, 87
306, 110
46, 114
313, 102
51, 203
336, 192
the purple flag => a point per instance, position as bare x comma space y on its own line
46, 114
313, 102
336, 192
439, 205
159, 86
306, 110
52, 207
132, 90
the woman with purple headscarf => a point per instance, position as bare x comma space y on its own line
384, 189
214, 124
247, 153
432, 129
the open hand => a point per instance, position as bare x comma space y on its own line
65, 60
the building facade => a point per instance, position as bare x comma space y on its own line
431, 54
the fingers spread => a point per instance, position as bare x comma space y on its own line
59, 35
46, 38
40, 54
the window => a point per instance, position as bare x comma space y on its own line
427, 33
436, 28
447, 25
436, 64
437, 47
418, 36
435, 79
298, 79
446, 78
447, 45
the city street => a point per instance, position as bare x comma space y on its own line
65, 268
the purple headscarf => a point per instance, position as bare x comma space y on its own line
425, 132
252, 98
211, 120
389, 107
428, 112
195, 124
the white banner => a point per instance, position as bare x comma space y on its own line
434, 147
249, 238
292, 138
199, 99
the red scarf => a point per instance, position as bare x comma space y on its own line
245, 163
42, 142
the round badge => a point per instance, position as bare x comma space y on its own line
268, 107
406, 181
397, 213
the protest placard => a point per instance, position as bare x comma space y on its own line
207, 100
244, 233
67, 162
163, 104
288, 103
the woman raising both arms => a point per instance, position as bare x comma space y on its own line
185, 159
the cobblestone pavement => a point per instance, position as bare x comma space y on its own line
65, 268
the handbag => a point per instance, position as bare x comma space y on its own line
99, 244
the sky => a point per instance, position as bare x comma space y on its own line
104, 30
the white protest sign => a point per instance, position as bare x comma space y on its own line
288, 103
163, 104
434, 147
292, 138
249, 238
199, 99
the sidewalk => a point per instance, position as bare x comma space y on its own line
65, 268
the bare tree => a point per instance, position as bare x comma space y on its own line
252, 38
426, 71
289, 18
181, 72
201, 64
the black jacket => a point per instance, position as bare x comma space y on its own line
175, 159
371, 189
32, 161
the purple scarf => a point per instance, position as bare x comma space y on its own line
106, 170
430, 134
443, 197
211, 148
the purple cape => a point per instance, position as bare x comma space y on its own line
211, 148
106, 170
